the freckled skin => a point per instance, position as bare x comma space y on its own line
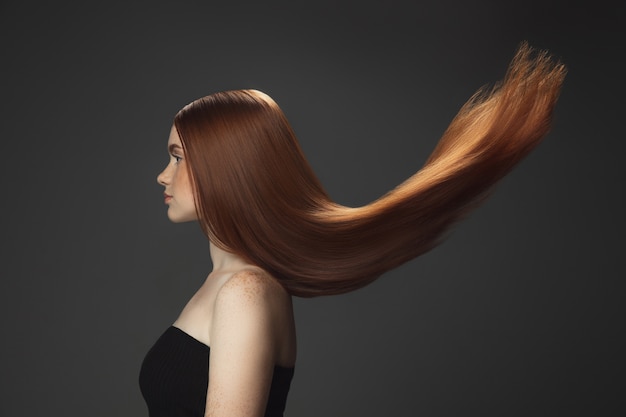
177, 182
248, 329
246, 317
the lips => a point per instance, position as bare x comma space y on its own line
167, 197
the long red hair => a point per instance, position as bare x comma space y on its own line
257, 196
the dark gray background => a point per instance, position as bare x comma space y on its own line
518, 313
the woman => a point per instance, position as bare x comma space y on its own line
236, 167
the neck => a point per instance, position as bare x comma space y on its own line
225, 261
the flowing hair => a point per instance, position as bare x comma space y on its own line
257, 196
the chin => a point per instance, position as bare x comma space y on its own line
174, 218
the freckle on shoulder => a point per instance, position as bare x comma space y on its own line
251, 285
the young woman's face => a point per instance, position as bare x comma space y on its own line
178, 190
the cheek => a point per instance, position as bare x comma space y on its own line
183, 182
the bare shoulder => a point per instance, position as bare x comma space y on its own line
252, 288
248, 338
252, 309
250, 285
253, 304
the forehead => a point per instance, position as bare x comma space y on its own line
174, 139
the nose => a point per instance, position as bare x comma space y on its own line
163, 178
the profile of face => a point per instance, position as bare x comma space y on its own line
178, 191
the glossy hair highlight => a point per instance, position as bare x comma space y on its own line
258, 197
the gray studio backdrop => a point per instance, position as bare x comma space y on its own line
517, 313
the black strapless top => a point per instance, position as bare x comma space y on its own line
174, 378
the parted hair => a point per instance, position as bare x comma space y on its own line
257, 196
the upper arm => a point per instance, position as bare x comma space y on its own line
243, 348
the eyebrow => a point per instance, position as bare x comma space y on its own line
174, 147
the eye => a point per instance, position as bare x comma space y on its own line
176, 159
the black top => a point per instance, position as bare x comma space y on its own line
175, 375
